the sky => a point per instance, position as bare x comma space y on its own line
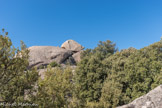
128, 23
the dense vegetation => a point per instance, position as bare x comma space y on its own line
104, 78
15, 77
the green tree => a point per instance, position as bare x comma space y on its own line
55, 90
15, 77
105, 49
131, 74
90, 73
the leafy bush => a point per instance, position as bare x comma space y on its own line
90, 73
55, 90
131, 74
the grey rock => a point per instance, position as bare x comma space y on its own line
77, 56
72, 45
153, 99
42, 73
43, 55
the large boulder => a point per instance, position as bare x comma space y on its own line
72, 45
43, 55
153, 99
77, 56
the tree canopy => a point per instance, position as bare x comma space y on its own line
15, 78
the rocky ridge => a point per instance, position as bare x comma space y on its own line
43, 55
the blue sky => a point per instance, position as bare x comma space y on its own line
128, 23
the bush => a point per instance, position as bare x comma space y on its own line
15, 77
131, 74
55, 90
54, 64
90, 73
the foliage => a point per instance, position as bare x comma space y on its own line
55, 90
90, 73
15, 77
42, 67
54, 64
131, 74
103, 50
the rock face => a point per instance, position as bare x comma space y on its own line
77, 55
153, 99
43, 55
72, 45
